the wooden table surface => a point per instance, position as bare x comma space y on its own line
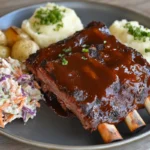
6, 6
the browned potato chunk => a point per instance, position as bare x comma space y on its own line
13, 34
3, 39
23, 48
4, 51
21, 33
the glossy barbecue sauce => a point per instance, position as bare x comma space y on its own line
107, 82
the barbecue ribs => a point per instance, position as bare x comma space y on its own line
94, 75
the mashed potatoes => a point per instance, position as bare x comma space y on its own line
133, 35
51, 24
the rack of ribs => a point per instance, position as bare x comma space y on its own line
93, 75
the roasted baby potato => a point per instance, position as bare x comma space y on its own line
3, 39
23, 48
13, 34
4, 51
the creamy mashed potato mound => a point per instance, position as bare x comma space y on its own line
133, 35
49, 31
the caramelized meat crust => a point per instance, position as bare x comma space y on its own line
102, 80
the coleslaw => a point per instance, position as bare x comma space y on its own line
19, 93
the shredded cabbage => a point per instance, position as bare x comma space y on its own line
19, 94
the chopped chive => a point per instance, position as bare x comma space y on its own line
66, 50
61, 55
58, 26
147, 50
137, 32
84, 45
144, 39
85, 50
49, 17
64, 10
84, 58
64, 61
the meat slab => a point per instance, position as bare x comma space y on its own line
93, 75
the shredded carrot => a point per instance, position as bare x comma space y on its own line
1, 120
36, 85
32, 102
12, 89
18, 72
21, 104
38, 104
5, 105
18, 100
9, 117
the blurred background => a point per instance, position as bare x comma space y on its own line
142, 6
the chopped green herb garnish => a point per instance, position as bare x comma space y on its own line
137, 32
47, 17
146, 28
64, 10
38, 32
84, 45
58, 26
64, 61
105, 42
84, 58
85, 50
61, 55
144, 39
66, 50
147, 50
35, 25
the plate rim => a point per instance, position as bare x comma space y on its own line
66, 147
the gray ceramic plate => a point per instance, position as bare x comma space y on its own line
51, 131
